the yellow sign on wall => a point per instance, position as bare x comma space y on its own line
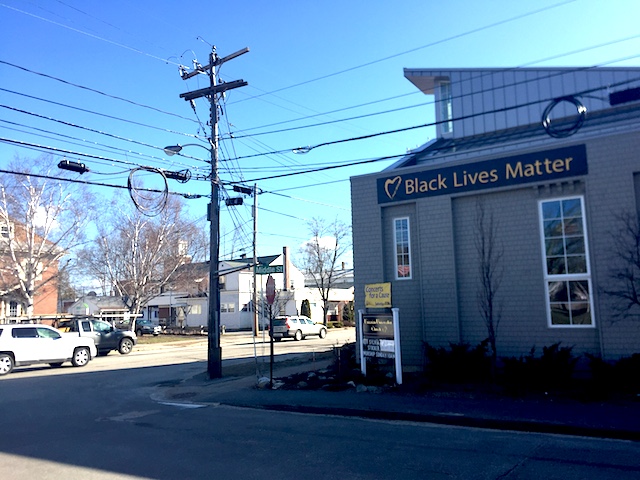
377, 295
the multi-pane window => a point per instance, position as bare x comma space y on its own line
566, 256
402, 248
227, 307
6, 231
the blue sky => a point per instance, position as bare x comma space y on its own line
339, 64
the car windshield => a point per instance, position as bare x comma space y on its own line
47, 333
100, 326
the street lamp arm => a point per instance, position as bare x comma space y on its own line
174, 149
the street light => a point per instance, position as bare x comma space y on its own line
174, 149
214, 352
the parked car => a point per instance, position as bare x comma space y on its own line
105, 336
28, 344
147, 327
296, 327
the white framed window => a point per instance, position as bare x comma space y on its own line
13, 308
446, 108
6, 231
196, 309
402, 244
227, 307
566, 263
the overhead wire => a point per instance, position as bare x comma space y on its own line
307, 149
92, 112
432, 102
93, 90
94, 145
326, 143
97, 37
89, 182
273, 152
412, 50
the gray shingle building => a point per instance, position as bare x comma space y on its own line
541, 165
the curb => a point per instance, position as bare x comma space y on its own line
455, 420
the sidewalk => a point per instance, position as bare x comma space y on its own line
604, 420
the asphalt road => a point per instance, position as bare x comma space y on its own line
108, 420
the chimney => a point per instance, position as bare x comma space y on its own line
285, 251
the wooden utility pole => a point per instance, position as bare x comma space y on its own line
255, 261
214, 352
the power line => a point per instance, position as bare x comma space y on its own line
88, 182
432, 44
71, 152
307, 149
79, 141
114, 97
432, 102
165, 130
87, 34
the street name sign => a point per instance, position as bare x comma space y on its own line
268, 269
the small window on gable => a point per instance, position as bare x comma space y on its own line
446, 108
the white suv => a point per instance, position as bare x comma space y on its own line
297, 327
27, 344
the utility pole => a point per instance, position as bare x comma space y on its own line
214, 352
255, 261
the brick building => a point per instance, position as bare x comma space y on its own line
549, 159
13, 303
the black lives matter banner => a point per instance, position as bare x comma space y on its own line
526, 168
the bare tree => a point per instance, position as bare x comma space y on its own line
321, 254
42, 220
624, 273
136, 255
490, 253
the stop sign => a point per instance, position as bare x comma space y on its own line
271, 290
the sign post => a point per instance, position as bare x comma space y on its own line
271, 296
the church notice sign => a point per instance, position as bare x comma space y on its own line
379, 338
378, 335
527, 168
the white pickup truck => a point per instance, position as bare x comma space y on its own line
28, 344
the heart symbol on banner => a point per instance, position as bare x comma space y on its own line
391, 186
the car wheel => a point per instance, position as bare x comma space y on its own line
323, 333
56, 364
6, 363
298, 335
277, 339
126, 345
81, 357
139, 333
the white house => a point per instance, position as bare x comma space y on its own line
110, 308
188, 307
